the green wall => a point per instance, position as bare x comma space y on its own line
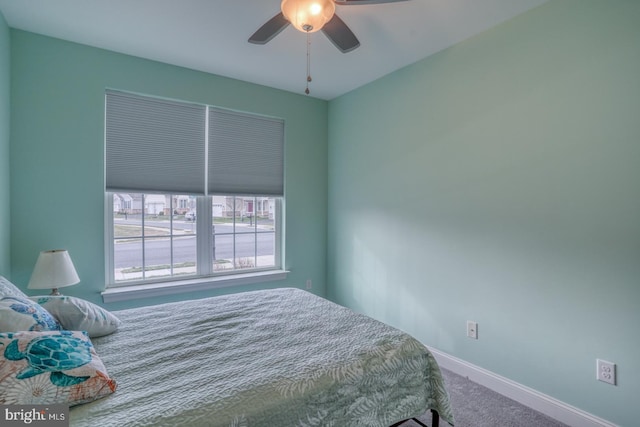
499, 181
57, 184
5, 49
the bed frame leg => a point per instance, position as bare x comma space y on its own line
435, 420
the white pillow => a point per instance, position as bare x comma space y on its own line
8, 289
76, 314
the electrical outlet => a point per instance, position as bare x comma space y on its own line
606, 371
309, 284
472, 329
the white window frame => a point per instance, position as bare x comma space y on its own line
205, 277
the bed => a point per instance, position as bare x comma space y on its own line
281, 357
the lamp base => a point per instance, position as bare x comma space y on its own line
55, 292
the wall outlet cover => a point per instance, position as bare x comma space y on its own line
472, 329
606, 371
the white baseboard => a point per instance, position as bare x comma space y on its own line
547, 405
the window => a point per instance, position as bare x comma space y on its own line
156, 239
191, 191
243, 238
150, 240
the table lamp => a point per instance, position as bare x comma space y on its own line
54, 269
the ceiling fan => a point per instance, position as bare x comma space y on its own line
310, 16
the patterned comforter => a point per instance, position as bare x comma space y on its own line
272, 358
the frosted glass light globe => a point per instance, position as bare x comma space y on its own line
308, 16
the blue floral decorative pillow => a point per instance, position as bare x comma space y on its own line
43, 368
22, 314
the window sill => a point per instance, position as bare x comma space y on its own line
126, 293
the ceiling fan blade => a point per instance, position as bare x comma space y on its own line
357, 2
340, 35
269, 30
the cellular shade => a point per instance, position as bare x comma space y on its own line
154, 145
246, 154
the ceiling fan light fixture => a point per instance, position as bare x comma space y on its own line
308, 16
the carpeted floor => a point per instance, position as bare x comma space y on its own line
477, 406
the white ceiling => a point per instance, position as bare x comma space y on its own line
211, 35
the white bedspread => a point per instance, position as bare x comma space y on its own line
272, 358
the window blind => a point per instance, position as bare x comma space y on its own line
246, 154
158, 145
154, 145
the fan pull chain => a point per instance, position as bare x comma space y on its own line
308, 62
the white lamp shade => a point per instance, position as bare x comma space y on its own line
54, 269
308, 16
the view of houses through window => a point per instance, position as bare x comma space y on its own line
156, 235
